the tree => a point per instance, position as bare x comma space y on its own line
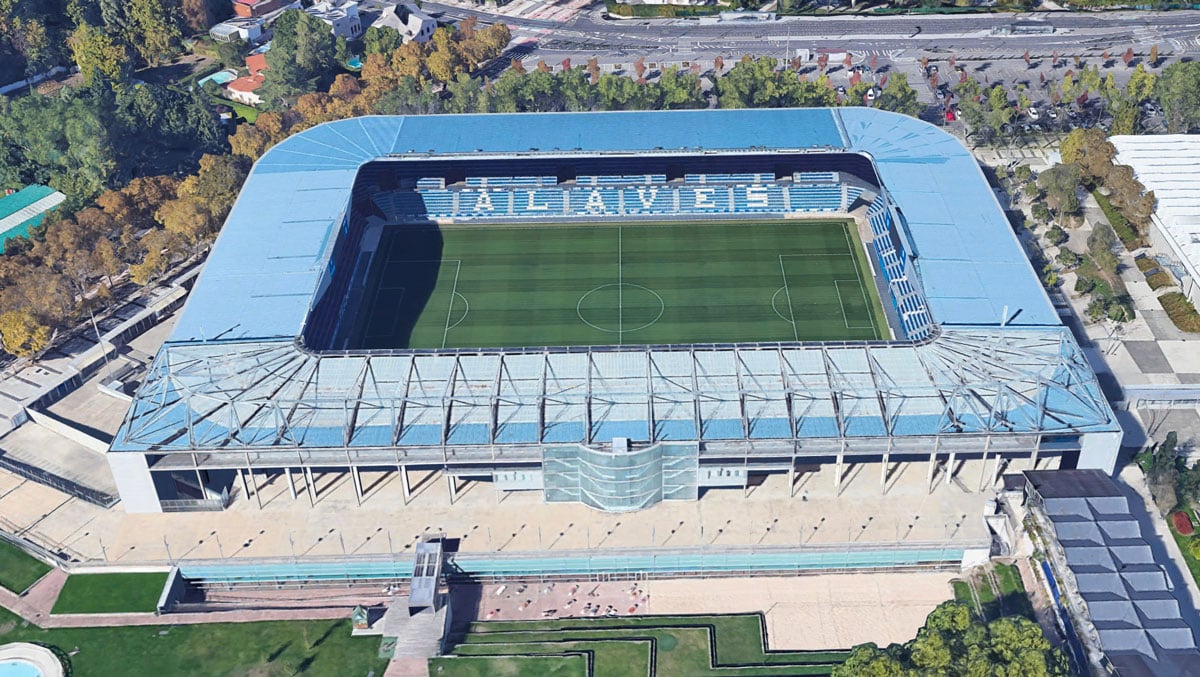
198, 15
301, 58
1056, 235
1162, 472
1178, 90
1090, 150
95, 52
232, 54
381, 40
22, 335
954, 643
1061, 183
899, 97
155, 31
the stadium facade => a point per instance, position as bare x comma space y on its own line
257, 376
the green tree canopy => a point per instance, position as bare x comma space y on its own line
954, 643
301, 59
898, 96
1178, 90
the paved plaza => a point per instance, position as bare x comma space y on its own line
485, 520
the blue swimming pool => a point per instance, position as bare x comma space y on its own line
220, 77
19, 669
355, 63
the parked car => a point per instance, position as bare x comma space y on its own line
1033, 113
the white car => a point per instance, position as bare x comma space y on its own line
1053, 114
1033, 114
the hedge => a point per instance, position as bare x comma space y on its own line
1181, 311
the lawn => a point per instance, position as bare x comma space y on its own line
109, 593
218, 649
962, 593
621, 646
516, 666
19, 570
603, 284
1125, 231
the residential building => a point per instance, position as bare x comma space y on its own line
238, 29
245, 89
257, 8
410, 22
341, 15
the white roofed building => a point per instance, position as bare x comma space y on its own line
1166, 164
341, 15
408, 21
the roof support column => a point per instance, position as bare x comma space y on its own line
250, 473
837, 480
245, 484
1034, 459
996, 469
950, 468
987, 445
883, 472
291, 482
792, 477
932, 465
355, 478
452, 486
309, 481
405, 487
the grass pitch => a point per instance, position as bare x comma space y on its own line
496, 286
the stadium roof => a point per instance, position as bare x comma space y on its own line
264, 269
1166, 164
233, 377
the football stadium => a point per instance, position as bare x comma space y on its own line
609, 309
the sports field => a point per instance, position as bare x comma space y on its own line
498, 286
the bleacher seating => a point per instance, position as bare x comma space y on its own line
744, 177
620, 180
826, 198
509, 181
431, 182
815, 177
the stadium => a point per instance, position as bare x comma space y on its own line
613, 309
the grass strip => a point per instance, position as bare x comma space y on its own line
110, 593
1181, 311
19, 569
208, 650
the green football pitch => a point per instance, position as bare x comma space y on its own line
497, 286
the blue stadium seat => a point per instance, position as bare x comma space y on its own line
707, 200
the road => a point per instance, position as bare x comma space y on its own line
1074, 33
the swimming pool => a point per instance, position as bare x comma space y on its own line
24, 659
355, 63
19, 669
220, 77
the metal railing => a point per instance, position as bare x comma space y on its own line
197, 504
34, 474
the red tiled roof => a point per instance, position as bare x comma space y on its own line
246, 84
257, 63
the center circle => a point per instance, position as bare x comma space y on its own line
620, 307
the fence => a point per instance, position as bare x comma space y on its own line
53, 481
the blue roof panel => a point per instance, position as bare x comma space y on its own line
278, 236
